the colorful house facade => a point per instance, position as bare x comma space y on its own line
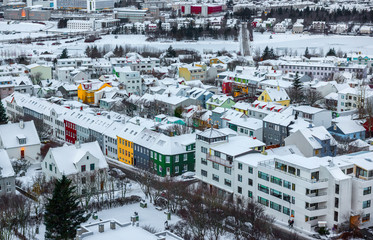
277, 95
86, 91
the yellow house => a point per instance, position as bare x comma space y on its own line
221, 59
86, 91
125, 142
275, 95
192, 72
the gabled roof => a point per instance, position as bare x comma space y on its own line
67, 156
9, 133
277, 94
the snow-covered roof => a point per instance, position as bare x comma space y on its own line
12, 141
350, 126
67, 156
6, 169
250, 123
238, 145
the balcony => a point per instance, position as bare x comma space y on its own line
316, 211
219, 160
317, 197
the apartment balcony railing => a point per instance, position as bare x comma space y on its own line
219, 160
316, 194
314, 208
271, 165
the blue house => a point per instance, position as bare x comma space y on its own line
200, 95
347, 130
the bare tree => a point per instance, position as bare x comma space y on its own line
312, 96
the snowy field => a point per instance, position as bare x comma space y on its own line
296, 42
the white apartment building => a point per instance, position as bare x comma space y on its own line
131, 79
136, 64
350, 98
215, 155
311, 191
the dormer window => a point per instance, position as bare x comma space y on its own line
21, 139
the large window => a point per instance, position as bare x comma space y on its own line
263, 176
276, 206
276, 193
281, 166
276, 180
204, 173
228, 170
203, 161
366, 204
286, 210
263, 188
287, 184
367, 190
263, 201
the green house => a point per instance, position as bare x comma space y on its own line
219, 101
173, 156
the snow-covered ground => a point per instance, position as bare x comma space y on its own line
296, 42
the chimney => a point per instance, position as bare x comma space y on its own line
310, 125
21, 124
138, 121
77, 144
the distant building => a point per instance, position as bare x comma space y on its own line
89, 5
27, 14
132, 15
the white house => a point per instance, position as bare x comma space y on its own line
20, 140
84, 163
131, 79
7, 175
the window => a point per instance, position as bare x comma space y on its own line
50, 167
217, 154
167, 159
276, 180
291, 170
227, 182
350, 170
92, 166
250, 170
337, 189
84, 180
203, 149
366, 204
228, 170
82, 168
203, 161
286, 211
250, 181
286, 197
177, 159
263, 176
263, 188
293, 186
250, 194
46, 165
276, 193
366, 217
215, 166
239, 178
263, 201
204, 173
335, 216
336, 202
367, 190
287, 184
239, 190
275, 206
240, 166
215, 177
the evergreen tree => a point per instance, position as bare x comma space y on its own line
62, 212
331, 52
170, 52
3, 117
307, 54
296, 92
88, 51
64, 54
